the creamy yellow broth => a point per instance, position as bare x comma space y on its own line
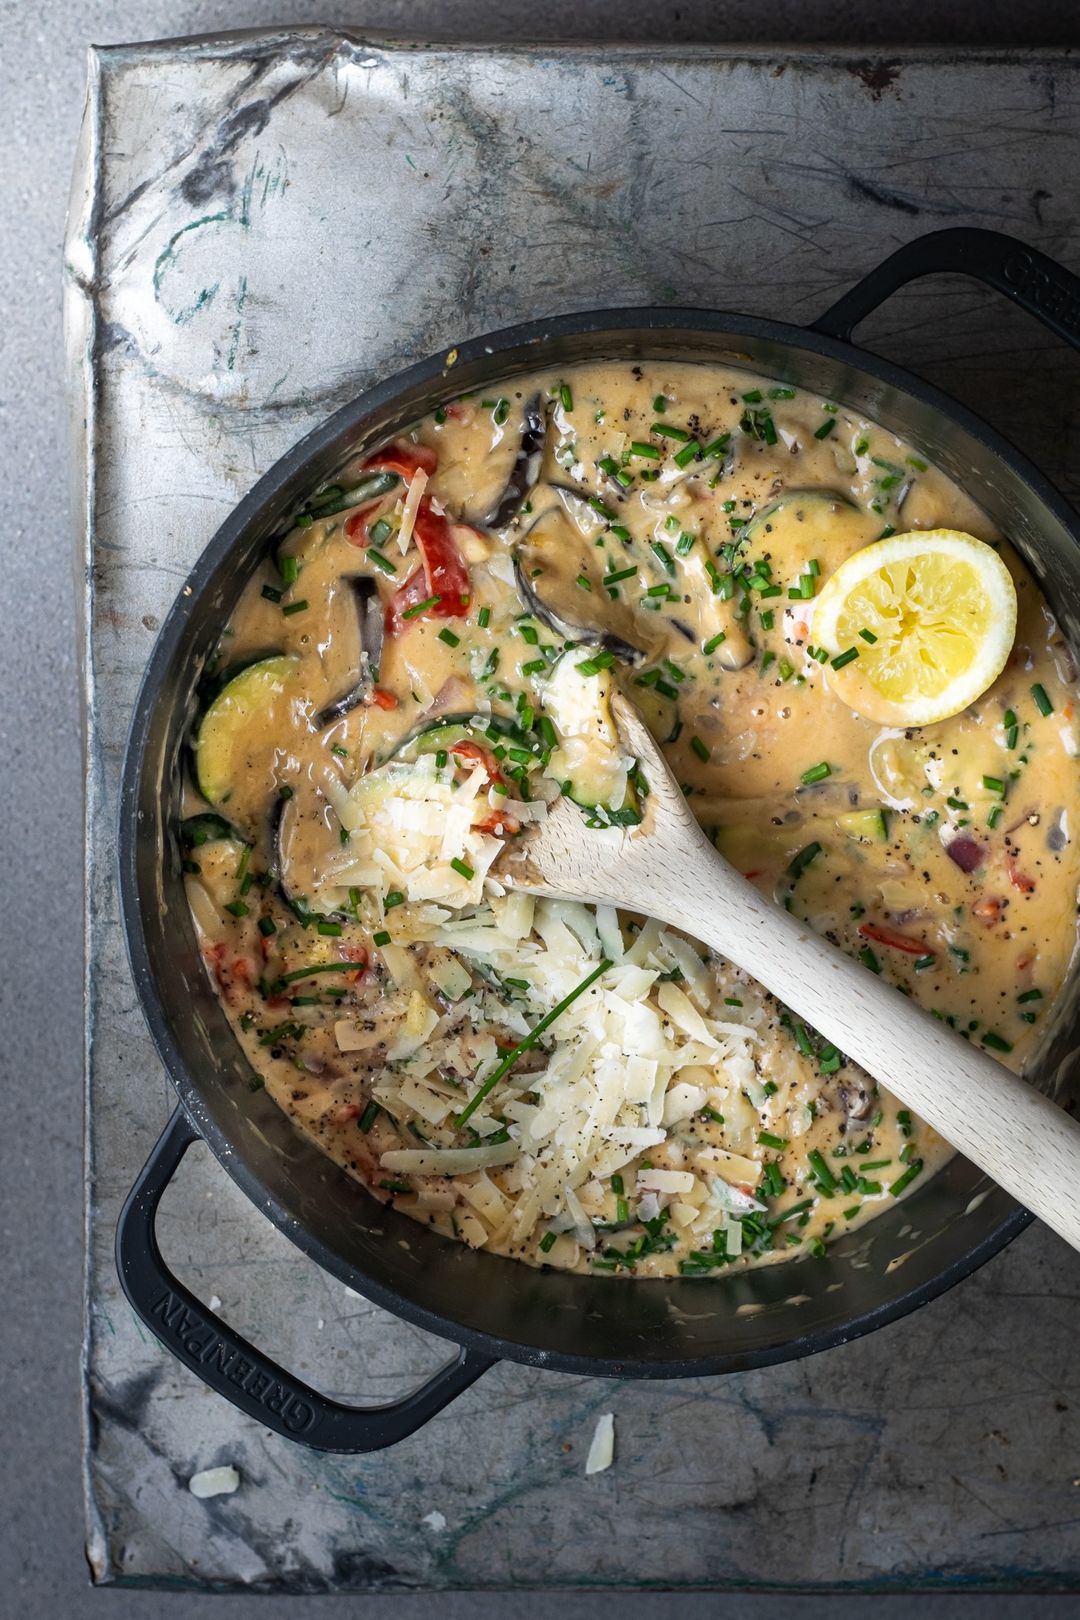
676, 508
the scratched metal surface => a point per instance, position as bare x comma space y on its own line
262, 225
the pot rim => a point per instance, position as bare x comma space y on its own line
349, 418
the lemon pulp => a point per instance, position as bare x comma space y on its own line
932, 617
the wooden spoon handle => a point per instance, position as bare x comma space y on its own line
1013, 1132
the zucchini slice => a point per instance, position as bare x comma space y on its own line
865, 826
207, 828
238, 737
487, 731
589, 762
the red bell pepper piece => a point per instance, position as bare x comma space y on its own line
404, 457
1020, 879
443, 574
898, 942
476, 755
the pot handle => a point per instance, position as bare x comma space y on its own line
1045, 289
230, 1365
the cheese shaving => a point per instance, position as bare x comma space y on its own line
602, 1450
417, 485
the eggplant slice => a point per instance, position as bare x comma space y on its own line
369, 615
299, 837
549, 564
528, 463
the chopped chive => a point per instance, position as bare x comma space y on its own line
823, 1176
237, 908
816, 773
620, 574
666, 431
659, 404
713, 642
1031, 995
369, 1116
767, 619
331, 930
913, 1169
394, 898
662, 555
826, 428
996, 1043
448, 637
463, 869
529, 1040
267, 926
921, 963
845, 658
381, 938
566, 397
535, 666
585, 583
781, 393
382, 562
767, 1139
342, 753
868, 636
289, 569
868, 959
441, 759
687, 454
714, 450
294, 607
685, 545
803, 859
421, 607
380, 532
483, 618
548, 1241
317, 967
700, 749
1040, 699
648, 450
994, 784
271, 594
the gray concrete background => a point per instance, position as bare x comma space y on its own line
41, 83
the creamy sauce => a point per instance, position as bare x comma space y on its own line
675, 508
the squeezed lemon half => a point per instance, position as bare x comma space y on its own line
931, 616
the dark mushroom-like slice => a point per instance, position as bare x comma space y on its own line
526, 469
369, 615
550, 564
302, 841
807, 525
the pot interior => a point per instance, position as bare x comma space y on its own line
598, 1324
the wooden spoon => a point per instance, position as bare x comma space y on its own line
667, 868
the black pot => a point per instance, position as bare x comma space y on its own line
490, 1307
